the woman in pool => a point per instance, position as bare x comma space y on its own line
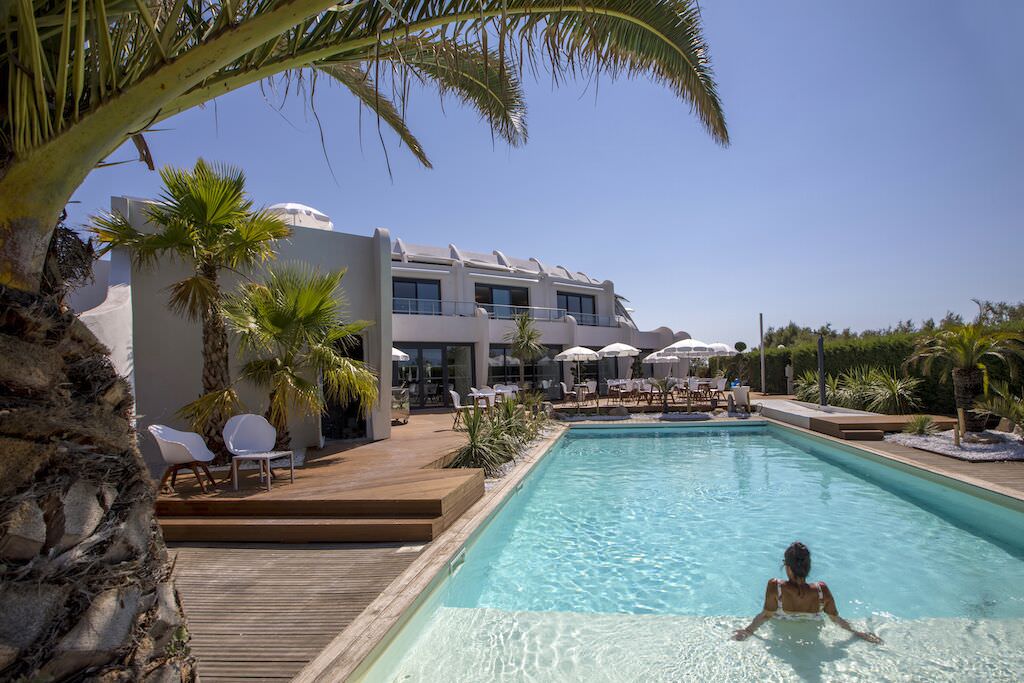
797, 599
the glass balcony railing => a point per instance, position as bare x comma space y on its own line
496, 311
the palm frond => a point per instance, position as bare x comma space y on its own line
193, 295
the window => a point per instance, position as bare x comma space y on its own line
421, 297
580, 306
502, 302
544, 374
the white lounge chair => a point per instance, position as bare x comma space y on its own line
251, 437
182, 450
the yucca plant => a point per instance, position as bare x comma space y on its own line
854, 388
1003, 402
891, 393
205, 219
963, 353
486, 445
665, 385
921, 425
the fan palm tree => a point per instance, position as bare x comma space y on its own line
79, 79
293, 334
524, 343
204, 219
962, 352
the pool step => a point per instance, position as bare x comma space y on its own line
862, 434
301, 529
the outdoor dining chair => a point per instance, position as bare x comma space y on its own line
251, 437
182, 450
458, 407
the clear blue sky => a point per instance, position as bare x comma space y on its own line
876, 170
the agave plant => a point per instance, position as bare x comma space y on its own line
921, 425
962, 352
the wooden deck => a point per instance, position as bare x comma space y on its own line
261, 612
393, 490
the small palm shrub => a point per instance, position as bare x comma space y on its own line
486, 446
921, 425
1002, 402
889, 393
862, 388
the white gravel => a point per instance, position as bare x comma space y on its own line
1009, 448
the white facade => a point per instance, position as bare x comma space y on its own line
462, 317
161, 353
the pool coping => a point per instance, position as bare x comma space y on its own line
355, 649
978, 487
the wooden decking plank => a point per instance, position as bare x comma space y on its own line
261, 613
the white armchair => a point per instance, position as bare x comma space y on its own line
251, 437
182, 450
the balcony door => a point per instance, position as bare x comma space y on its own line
432, 371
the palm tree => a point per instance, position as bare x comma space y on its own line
81, 79
204, 219
293, 334
962, 352
524, 343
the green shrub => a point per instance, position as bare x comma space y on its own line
862, 388
486, 446
921, 425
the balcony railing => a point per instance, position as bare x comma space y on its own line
496, 311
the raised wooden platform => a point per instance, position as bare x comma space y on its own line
394, 490
868, 427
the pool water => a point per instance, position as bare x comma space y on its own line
632, 554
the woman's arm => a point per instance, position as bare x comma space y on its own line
770, 605
833, 613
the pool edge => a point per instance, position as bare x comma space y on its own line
353, 651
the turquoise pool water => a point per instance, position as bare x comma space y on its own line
631, 554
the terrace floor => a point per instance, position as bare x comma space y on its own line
263, 611
383, 491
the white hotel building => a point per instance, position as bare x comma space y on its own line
450, 310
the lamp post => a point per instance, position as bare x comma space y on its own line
764, 378
822, 398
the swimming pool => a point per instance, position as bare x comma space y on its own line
632, 554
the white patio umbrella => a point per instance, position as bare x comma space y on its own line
661, 358
721, 349
578, 354
687, 346
619, 350
398, 354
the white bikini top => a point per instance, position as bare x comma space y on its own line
783, 614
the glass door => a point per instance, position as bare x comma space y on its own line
432, 371
432, 361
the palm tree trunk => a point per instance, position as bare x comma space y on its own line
280, 421
216, 369
85, 576
968, 384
